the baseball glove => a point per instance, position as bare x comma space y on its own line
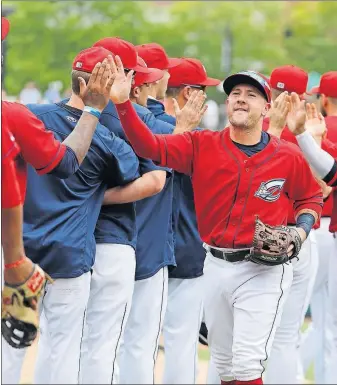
271, 243
19, 313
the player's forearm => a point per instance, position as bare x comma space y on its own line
80, 139
322, 163
11, 234
143, 141
276, 131
146, 186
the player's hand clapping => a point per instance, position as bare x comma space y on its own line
97, 92
297, 115
189, 117
315, 122
120, 90
278, 114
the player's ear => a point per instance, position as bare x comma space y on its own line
187, 92
266, 109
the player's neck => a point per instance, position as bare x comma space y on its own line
169, 107
153, 92
248, 137
76, 102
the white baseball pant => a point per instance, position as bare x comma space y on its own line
181, 330
63, 311
317, 339
243, 306
213, 377
139, 348
283, 361
332, 369
109, 304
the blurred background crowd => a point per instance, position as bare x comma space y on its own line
227, 36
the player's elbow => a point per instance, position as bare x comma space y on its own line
155, 181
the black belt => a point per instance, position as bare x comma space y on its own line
234, 256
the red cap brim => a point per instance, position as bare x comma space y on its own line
209, 82
151, 77
138, 68
5, 27
174, 62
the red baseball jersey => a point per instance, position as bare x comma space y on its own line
37, 146
288, 136
11, 195
331, 148
231, 189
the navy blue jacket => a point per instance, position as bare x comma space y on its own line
154, 242
189, 252
60, 215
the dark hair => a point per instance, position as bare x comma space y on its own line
173, 92
75, 84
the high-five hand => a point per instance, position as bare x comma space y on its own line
188, 118
297, 115
278, 114
97, 92
120, 90
315, 122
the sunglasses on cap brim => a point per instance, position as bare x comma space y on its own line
198, 87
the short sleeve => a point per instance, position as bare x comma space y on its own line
9, 146
38, 146
123, 167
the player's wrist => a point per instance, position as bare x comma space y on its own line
299, 130
93, 111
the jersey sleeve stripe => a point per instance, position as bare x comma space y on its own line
54, 162
331, 177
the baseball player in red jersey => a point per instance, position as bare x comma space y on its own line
24, 139
317, 341
238, 174
285, 350
325, 166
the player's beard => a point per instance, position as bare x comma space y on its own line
241, 123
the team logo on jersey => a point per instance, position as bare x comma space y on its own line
71, 119
270, 191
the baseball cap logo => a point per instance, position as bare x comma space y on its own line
78, 64
280, 85
255, 76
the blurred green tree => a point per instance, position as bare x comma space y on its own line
46, 35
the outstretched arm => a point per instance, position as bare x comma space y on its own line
307, 124
173, 151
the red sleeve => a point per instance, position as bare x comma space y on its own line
303, 188
9, 147
10, 194
38, 146
173, 151
330, 148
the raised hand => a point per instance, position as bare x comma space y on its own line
278, 114
297, 115
188, 118
315, 122
120, 90
97, 92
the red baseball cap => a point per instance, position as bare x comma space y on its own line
190, 72
155, 56
289, 78
152, 76
248, 77
328, 84
125, 50
5, 27
87, 59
